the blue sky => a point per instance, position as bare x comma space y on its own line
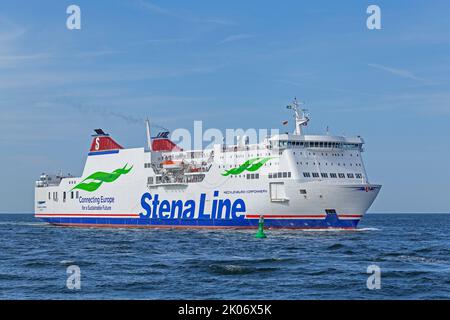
232, 64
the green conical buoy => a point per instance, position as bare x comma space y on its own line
260, 234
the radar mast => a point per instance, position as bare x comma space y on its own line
300, 115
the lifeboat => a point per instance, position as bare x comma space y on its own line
170, 164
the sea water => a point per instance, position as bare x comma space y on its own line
412, 252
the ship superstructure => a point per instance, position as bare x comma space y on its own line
293, 180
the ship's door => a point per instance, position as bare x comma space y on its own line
277, 191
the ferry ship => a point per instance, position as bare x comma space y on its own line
291, 180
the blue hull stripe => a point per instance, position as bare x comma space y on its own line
329, 222
97, 153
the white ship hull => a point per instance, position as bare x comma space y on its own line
292, 180
128, 201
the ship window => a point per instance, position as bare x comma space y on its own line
284, 174
289, 174
77, 195
350, 175
358, 175
49, 196
315, 175
270, 175
341, 175
71, 195
333, 175
330, 211
324, 175
302, 191
306, 174
150, 180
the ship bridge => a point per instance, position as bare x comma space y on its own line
284, 141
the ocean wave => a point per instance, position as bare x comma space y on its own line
233, 269
336, 246
341, 230
419, 259
22, 223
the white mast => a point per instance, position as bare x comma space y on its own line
149, 139
301, 119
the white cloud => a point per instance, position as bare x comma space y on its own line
41, 79
398, 72
185, 16
237, 37
97, 53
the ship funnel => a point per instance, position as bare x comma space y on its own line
162, 143
103, 143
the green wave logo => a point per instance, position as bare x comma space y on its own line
95, 180
251, 165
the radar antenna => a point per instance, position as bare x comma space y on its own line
300, 114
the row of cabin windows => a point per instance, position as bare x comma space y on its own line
185, 179
252, 176
147, 165
326, 154
235, 166
332, 175
54, 195
298, 163
301, 153
318, 144
331, 164
246, 155
274, 175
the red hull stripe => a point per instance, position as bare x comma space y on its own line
296, 216
287, 216
248, 216
87, 215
